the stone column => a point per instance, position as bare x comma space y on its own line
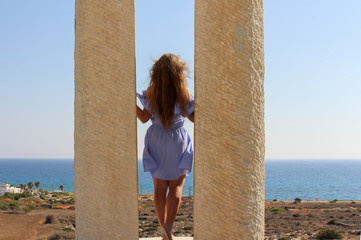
229, 120
105, 121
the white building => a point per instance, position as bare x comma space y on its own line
5, 187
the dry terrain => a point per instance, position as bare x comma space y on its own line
305, 219
34, 218
52, 217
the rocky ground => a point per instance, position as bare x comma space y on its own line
305, 219
284, 219
53, 217
148, 222
34, 218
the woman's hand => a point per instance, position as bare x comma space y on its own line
143, 115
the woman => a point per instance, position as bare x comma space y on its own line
168, 151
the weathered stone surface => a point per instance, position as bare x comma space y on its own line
105, 121
229, 128
229, 120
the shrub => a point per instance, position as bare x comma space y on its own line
62, 235
68, 229
28, 208
332, 222
14, 205
51, 219
334, 201
71, 200
3, 207
277, 210
9, 205
297, 200
16, 196
275, 200
328, 234
296, 215
353, 202
284, 238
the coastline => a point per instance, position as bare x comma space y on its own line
284, 179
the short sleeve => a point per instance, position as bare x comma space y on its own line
190, 106
143, 100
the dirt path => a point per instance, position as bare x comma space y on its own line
19, 226
29, 226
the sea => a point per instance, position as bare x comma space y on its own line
320, 179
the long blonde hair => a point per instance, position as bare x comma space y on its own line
168, 85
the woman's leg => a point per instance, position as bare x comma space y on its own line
160, 197
174, 199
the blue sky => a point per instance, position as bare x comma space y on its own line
312, 81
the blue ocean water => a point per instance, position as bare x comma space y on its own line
51, 173
311, 179
285, 179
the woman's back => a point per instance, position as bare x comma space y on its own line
178, 115
168, 151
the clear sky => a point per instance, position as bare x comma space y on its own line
312, 82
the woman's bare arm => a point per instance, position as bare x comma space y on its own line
191, 117
143, 115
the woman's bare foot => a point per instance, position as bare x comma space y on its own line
168, 231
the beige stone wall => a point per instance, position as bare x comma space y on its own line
229, 127
105, 121
229, 120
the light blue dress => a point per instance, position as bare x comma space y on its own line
167, 153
